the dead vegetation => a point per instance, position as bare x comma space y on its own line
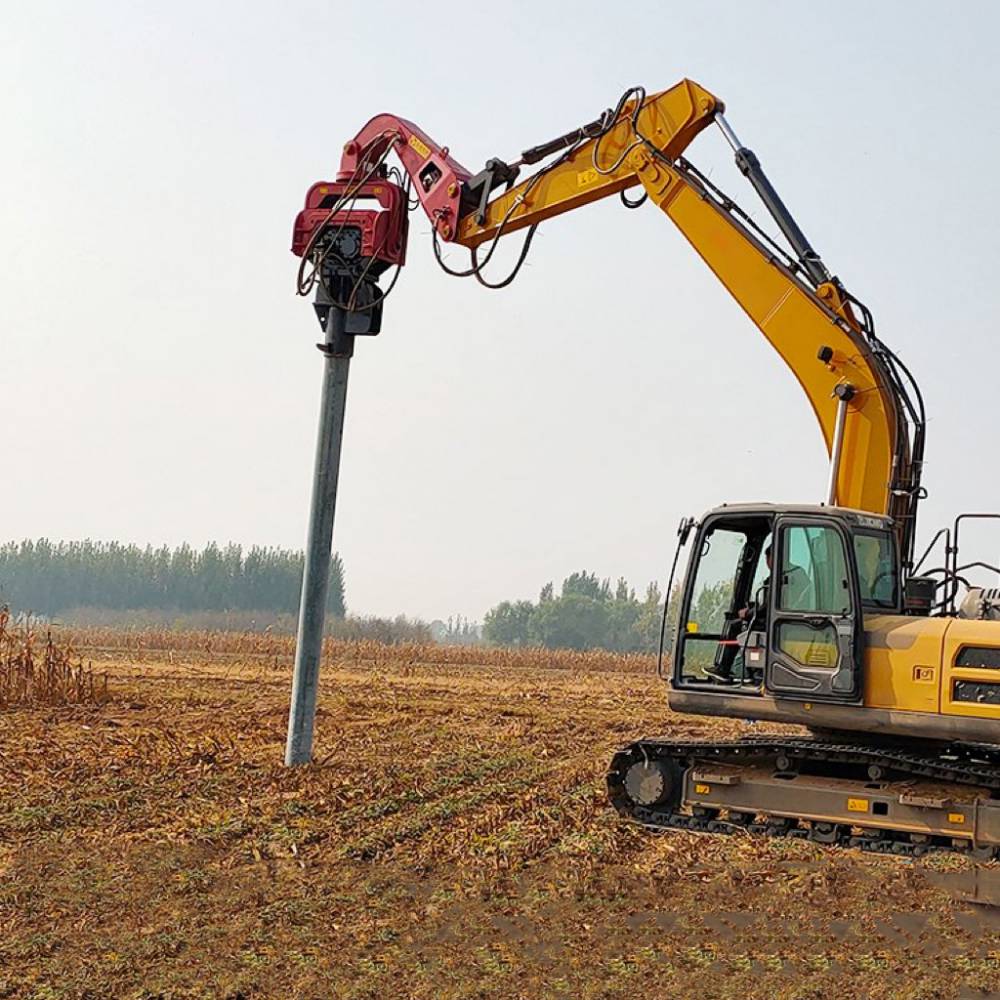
277, 646
37, 671
451, 840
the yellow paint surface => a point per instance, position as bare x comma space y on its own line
964, 632
903, 662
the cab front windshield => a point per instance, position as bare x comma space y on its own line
731, 574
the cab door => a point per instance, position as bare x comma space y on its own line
814, 634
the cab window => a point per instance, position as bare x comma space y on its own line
813, 571
728, 570
813, 581
712, 596
878, 580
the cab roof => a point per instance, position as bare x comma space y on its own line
863, 518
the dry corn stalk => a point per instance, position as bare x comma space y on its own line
220, 643
43, 673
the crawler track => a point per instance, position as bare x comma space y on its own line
971, 771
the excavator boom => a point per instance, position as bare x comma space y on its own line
870, 427
812, 329
597, 166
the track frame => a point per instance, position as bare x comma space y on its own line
898, 800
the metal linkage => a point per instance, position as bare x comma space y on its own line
844, 393
749, 166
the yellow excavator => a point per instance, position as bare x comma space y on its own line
819, 616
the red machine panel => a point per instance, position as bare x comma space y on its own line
334, 206
437, 177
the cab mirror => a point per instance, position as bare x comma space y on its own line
684, 529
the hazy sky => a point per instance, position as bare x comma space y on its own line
159, 380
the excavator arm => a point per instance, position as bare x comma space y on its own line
813, 330
861, 395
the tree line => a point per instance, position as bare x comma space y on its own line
588, 613
51, 577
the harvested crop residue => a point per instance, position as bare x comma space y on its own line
452, 840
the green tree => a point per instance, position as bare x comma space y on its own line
49, 578
587, 614
510, 624
711, 605
624, 612
586, 585
574, 621
335, 603
650, 619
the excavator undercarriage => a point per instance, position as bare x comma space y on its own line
891, 799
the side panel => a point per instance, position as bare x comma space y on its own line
850, 718
922, 808
902, 666
970, 689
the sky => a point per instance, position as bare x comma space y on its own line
158, 379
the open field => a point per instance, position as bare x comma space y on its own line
452, 840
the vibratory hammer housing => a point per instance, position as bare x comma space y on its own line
352, 246
378, 236
352, 242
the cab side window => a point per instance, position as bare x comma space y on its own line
813, 571
875, 555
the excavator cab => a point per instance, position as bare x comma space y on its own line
774, 599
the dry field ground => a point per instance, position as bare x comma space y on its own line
451, 840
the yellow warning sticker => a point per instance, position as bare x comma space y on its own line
585, 177
956, 817
702, 789
421, 147
857, 805
692, 626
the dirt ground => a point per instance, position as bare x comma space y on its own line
451, 840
